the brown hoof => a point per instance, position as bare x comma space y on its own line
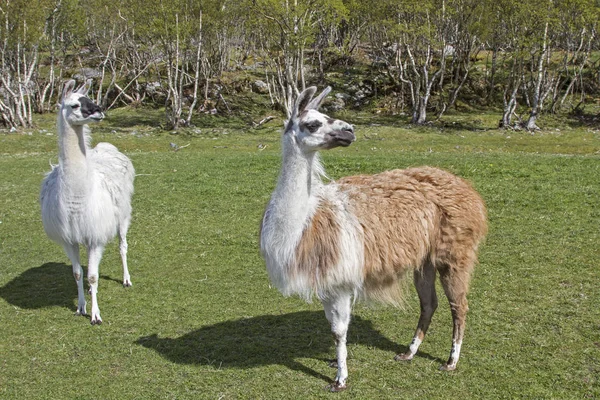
336, 387
403, 357
447, 367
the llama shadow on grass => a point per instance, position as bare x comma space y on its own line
267, 340
51, 284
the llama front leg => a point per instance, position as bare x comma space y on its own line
72, 251
94, 257
425, 285
337, 311
123, 250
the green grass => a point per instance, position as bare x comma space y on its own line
202, 322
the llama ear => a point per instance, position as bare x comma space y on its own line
68, 89
84, 89
303, 100
316, 102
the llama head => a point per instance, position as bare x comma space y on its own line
313, 130
76, 107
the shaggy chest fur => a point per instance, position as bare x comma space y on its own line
86, 206
76, 216
321, 255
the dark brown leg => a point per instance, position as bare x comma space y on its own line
425, 284
456, 285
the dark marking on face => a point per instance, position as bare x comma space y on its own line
88, 107
330, 121
311, 126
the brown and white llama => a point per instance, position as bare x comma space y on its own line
359, 236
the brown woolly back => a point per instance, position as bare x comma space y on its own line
412, 217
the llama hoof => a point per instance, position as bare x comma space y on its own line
96, 320
404, 357
447, 367
80, 311
336, 387
127, 283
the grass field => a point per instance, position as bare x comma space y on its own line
201, 320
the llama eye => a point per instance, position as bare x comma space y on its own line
313, 126
75, 106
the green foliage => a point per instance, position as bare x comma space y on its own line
23, 24
295, 23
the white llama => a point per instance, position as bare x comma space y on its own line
359, 236
86, 198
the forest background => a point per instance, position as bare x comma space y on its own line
416, 59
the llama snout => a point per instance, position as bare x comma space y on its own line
342, 137
89, 109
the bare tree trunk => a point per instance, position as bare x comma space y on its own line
173, 102
536, 98
510, 105
26, 84
454, 93
578, 71
420, 114
188, 120
49, 86
510, 100
420, 111
492, 76
16, 74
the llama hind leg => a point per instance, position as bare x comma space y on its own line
123, 228
94, 257
72, 251
337, 311
425, 285
456, 285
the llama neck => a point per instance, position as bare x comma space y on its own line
72, 150
298, 184
292, 205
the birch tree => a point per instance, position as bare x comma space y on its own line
20, 37
414, 49
511, 48
287, 29
175, 31
465, 25
540, 63
577, 26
